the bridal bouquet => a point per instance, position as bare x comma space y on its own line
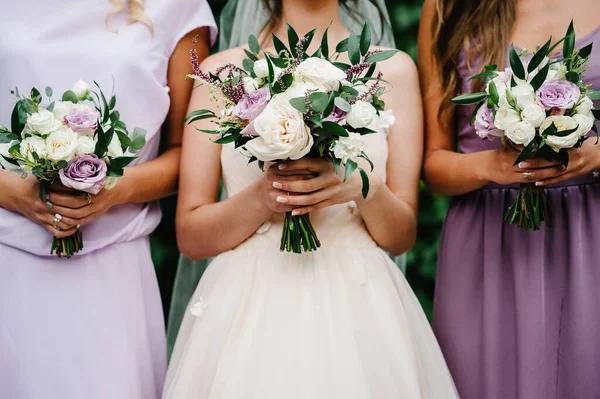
79, 141
539, 106
290, 105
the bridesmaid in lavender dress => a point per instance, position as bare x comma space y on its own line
92, 326
516, 312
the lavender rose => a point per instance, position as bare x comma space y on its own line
84, 173
251, 105
337, 115
484, 123
560, 94
83, 121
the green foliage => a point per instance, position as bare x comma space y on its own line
404, 16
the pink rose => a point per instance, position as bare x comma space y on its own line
83, 121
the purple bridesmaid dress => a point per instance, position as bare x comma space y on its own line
517, 313
89, 327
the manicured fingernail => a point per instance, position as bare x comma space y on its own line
295, 212
282, 166
524, 165
276, 184
539, 183
282, 200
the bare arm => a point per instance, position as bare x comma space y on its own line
446, 171
206, 227
141, 183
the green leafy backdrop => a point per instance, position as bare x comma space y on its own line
422, 258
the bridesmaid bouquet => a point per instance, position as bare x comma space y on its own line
541, 107
291, 105
79, 141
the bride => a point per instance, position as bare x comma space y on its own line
341, 322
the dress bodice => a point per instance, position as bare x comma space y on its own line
338, 225
467, 139
54, 43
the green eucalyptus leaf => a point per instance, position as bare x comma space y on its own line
253, 44
342, 104
318, 101
250, 55
50, 106
573, 77
299, 103
381, 56
48, 91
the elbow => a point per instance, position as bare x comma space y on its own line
187, 242
431, 178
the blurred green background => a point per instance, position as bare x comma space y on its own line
404, 15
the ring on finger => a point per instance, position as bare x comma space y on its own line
527, 175
56, 221
88, 198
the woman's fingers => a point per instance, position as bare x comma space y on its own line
537, 163
305, 185
533, 175
308, 209
317, 165
77, 214
60, 233
65, 222
73, 201
309, 199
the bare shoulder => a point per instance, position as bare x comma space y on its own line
231, 56
399, 69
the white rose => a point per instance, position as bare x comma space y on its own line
362, 114
43, 122
33, 144
261, 68
585, 106
85, 145
523, 94
521, 133
62, 109
585, 122
114, 148
110, 182
251, 84
320, 72
534, 114
562, 123
81, 89
506, 118
61, 145
4, 153
282, 133
348, 148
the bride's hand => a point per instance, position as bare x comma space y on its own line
269, 190
326, 189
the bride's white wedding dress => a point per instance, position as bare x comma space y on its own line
341, 322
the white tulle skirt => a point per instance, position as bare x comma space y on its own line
338, 323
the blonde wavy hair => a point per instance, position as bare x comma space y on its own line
137, 13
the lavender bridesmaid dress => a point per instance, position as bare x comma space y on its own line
517, 312
90, 326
